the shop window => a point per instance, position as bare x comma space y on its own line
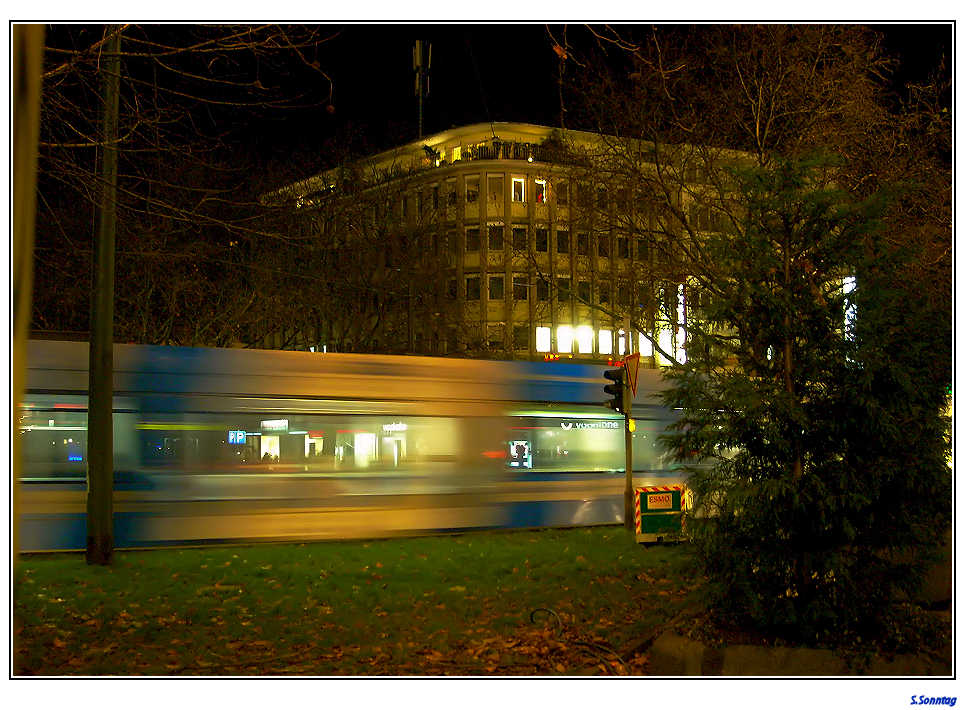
495, 237
564, 339
472, 239
542, 239
584, 339
543, 336
519, 191
520, 288
472, 288
562, 241
605, 340
496, 290
520, 337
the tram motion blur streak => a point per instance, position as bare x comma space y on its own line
216, 445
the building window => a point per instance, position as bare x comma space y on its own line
519, 238
542, 239
582, 243
451, 197
520, 288
496, 290
472, 288
601, 198
472, 188
451, 241
646, 346
472, 239
520, 337
562, 241
584, 340
563, 289
605, 339
643, 250
519, 192
539, 190
495, 237
494, 186
435, 197
456, 153
621, 342
623, 247
604, 242
604, 293
543, 343
405, 205
563, 194
583, 291
542, 290
564, 339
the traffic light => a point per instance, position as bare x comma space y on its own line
616, 390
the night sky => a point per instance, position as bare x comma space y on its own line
479, 73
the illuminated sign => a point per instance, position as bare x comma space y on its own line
519, 454
236, 437
274, 425
598, 424
397, 426
656, 501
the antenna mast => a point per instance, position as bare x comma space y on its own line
421, 63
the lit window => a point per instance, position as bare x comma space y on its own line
542, 339
457, 153
849, 285
664, 340
646, 347
540, 192
606, 342
681, 351
621, 342
564, 339
584, 339
519, 193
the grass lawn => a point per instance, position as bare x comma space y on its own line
547, 602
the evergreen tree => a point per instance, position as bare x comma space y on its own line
818, 445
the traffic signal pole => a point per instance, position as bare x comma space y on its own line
628, 521
622, 402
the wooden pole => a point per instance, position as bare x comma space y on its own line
100, 435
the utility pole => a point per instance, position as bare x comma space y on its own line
100, 436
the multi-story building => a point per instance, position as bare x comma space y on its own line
496, 240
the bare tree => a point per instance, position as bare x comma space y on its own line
184, 204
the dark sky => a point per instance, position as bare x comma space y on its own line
480, 73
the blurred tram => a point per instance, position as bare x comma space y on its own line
230, 445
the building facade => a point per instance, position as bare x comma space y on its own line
504, 241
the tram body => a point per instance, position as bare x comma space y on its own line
230, 445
